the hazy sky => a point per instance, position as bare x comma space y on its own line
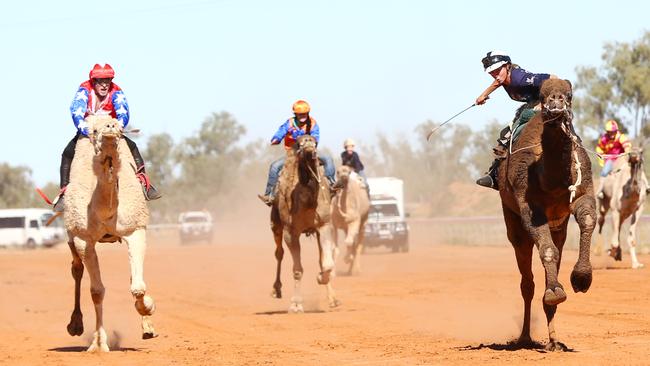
365, 66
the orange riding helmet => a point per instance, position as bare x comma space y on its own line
301, 106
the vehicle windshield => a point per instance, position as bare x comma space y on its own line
195, 219
378, 211
56, 223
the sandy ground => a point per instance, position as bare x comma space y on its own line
435, 305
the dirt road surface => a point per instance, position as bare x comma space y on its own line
437, 304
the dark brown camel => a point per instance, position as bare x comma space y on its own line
302, 206
536, 181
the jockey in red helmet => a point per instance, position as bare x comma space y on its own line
100, 95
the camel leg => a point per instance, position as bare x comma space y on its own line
523, 246
351, 243
584, 214
293, 242
279, 254
335, 247
601, 208
100, 340
615, 250
631, 238
535, 223
559, 237
326, 264
361, 236
144, 304
76, 325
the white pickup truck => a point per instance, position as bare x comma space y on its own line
386, 224
195, 226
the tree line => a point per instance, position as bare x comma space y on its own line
212, 168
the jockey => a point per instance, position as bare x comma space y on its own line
350, 158
521, 86
300, 124
99, 95
613, 143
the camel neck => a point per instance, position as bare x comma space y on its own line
557, 156
107, 172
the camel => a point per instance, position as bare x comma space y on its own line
350, 209
544, 179
104, 203
624, 193
302, 206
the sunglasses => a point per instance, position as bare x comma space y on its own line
103, 81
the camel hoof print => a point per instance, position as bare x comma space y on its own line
555, 296
149, 335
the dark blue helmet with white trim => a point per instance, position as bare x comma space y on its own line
494, 60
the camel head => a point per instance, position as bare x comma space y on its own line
556, 96
105, 132
343, 175
306, 148
635, 157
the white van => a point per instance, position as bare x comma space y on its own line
26, 227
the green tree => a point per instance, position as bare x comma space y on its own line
620, 88
16, 187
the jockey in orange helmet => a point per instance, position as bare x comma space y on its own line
300, 124
100, 95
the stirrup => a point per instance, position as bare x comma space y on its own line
57, 205
268, 199
487, 181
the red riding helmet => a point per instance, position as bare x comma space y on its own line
102, 72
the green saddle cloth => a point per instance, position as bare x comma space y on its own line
520, 123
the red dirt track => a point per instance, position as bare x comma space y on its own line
434, 305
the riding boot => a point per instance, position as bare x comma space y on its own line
500, 151
150, 192
64, 172
490, 178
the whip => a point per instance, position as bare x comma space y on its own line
445, 122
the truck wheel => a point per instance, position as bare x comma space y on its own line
31, 244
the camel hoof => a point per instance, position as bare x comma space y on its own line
95, 348
637, 265
556, 346
524, 341
76, 325
296, 308
335, 304
555, 296
323, 278
276, 293
616, 253
581, 279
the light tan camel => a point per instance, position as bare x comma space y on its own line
350, 208
543, 181
624, 193
302, 206
104, 203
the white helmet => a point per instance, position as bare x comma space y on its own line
348, 142
494, 60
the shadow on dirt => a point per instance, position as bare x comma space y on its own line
83, 349
511, 346
283, 312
